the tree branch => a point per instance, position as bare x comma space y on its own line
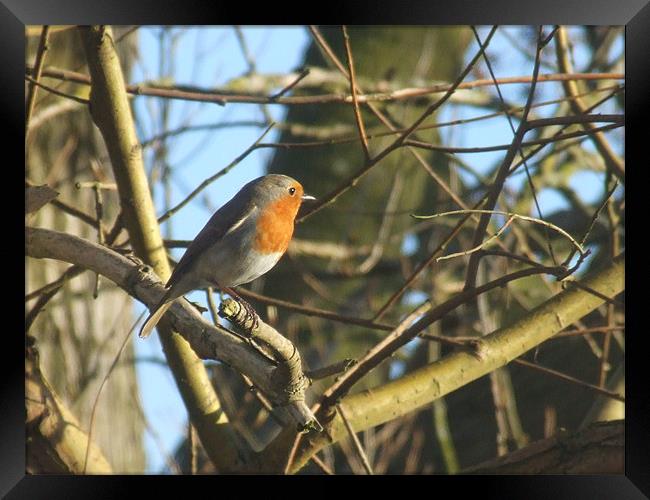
613, 162
599, 449
226, 96
111, 112
205, 339
375, 406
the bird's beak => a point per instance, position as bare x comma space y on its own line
306, 197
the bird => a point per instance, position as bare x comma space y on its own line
242, 240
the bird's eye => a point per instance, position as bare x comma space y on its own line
292, 191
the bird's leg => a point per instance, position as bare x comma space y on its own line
249, 309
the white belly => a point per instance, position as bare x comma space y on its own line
245, 268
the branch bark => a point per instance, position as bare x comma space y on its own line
598, 449
110, 110
283, 383
55, 441
378, 405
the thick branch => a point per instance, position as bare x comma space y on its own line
394, 399
111, 112
598, 449
205, 339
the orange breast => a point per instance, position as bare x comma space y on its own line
275, 225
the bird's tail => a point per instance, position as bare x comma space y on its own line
154, 317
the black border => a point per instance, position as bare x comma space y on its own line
635, 14
332, 12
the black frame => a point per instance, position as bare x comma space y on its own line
634, 14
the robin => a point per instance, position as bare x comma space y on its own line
243, 240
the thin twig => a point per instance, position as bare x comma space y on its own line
328, 371
214, 177
99, 213
322, 465
320, 39
405, 333
612, 94
104, 380
423, 265
52, 90
69, 273
52, 111
75, 212
592, 223
353, 92
510, 215
613, 162
260, 397
313, 311
384, 229
594, 292
451, 149
338, 388
38, 69
355, 441
292, 457
614, 249
292, 453
137, 405
244, 48
502, 173
212, 306
47, 295
569, 378
207, 95
585, 331
482, 245
521, 152
387, 123
303, 73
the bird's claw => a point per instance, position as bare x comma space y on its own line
250, 314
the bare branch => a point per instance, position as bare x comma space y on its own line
224, 97
399, 397
208, 341
38, 69
353, 91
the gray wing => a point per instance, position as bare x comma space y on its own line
226, 219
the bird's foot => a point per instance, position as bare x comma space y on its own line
242, 314
250, 314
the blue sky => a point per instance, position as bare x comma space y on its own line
210, 57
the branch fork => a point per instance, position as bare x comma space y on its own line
288, 373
